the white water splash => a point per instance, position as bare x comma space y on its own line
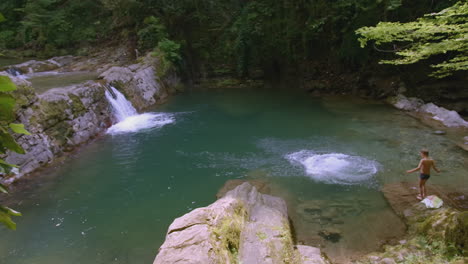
335, 168
139, 122
122, 108
128, 118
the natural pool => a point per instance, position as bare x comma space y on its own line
112, 201
44, 81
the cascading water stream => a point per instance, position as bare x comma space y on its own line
128, 119
122, 108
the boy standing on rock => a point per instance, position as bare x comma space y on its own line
424, 168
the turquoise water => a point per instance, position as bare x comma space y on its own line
113, 200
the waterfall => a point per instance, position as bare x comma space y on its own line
122, 108
128, 119
15, 72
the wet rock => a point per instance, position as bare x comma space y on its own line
402, 197
446, 117
403, 103
36, 66
331, 234
311, 255
310, 211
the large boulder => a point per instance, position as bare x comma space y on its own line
403, 103
141, 82
244, 226
447, 117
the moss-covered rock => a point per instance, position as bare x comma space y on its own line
434, 235
58, 119
244, 226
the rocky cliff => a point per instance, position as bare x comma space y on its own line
62, 118
141, 83
244, 226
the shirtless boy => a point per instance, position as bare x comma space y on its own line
424, 168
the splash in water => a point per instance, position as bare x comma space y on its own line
128, 119
335, 168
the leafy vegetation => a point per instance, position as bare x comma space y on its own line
444, 32
169, 55
243, 37
7, 142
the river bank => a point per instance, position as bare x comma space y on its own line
246, 226
67, 113
156, 175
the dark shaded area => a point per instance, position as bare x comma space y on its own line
311, 42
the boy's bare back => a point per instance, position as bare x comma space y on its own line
425, 166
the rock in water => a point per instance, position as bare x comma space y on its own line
311, 255
244, 226
403, 103
446, 117
331, 234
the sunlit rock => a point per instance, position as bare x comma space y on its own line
244, 226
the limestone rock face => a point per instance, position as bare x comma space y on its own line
244, 226
140, 82
58, 120
446, 117
403, 103
63, 118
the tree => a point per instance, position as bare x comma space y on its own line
442, 33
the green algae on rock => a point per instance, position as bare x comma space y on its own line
244, 226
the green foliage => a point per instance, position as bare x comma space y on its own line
6, 85
419, 250
255, 36
152, 32
441, 33
169, 55
170, 49
47, 26
5, 217
7, 141
8, 39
